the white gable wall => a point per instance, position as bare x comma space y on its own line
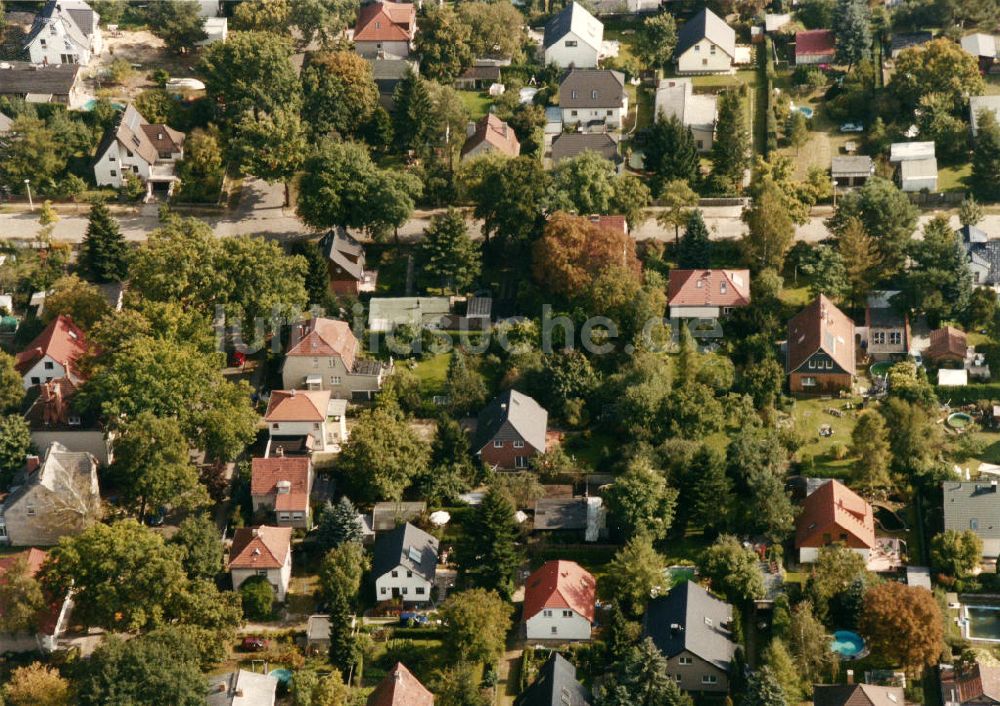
572, 50
701, 59
54, 46
558, 624
44, 370
118, 159
408, 587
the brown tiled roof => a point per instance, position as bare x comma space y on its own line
857, 695
708, 288
400, 688
266, 473
322, 337
62, 340
495, 132
821, 325
947, 342
558, 585
297, 406
814, 41
616, 223
385, 22
164, 139
260, 547
830, 509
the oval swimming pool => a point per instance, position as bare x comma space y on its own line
847, 644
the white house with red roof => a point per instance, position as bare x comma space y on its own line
262, 551
559, 602
385, 30
834, 514
491, 135
281, 484
707, 294
324, 355
51, 620
304, 413
54, 354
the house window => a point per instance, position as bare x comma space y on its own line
895, 338
709, 679
973, 523
701, 144
571, 43
567, 614
497, 444
697, 47
975, 277
546, 613
711, 50
420, 590
727, 310
49, 365
111, 158
296, 515
42, 42
334, 379
685, 660
114, 173
808, 381
708, 622
283, 516
555, 630
704, 62
677, 678
383, 590
395, 574
315, 362
518, 444
404, 590
829, 365
573, 113
593, 95
31, 510
878, 338
128, 152
409, 574
35, 380
572, 94
520, 462
316, 425
275, 426
812, 363
610, 113
262, 572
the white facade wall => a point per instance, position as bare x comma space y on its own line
810, 555
56, 47
554, 624
695, 312
587, 115
317, 429
700, 59
383, 50
565, 53
44, 370
278, 578
406, 586
919, 184
111, 165
704, 138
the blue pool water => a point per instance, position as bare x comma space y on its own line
847, 643
808, 112
282, 675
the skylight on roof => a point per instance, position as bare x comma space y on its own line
415, 554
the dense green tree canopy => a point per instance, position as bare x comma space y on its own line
339, 92
383, 455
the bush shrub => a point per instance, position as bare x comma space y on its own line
258, 598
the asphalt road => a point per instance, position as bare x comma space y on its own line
261, 212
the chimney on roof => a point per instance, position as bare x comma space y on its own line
254, 531
31, 463
292, 393
850, 676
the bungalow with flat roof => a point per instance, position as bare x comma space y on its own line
917, 165
974, 506
815, 46
675, 98
902, 41
983, 47
241, 688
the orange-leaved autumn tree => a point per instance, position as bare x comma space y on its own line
573, 251
904, 624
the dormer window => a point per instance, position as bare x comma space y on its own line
574, 94
73, 420
722, 288
593, 95
378, 25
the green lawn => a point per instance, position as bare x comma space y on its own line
592, 452
477, 102
625, 39
432, 373
809, 415
954, 178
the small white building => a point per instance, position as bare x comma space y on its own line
573, 38
144, 150
675, 98
917, 165
405, 565
217, 29
306, 413
65, 32
705, 45
559, 602
262, 551
241, 688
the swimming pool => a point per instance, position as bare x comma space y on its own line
982, 622
848, 644
808, 112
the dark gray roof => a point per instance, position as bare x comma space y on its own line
971, 234
592, 88
982, 250
23, 77
481, 73
393, 69
408, 546
556, 685
570, 144
528, 418
706, 25
860, 165
880, 310
573, 18
479, 307
912, 39
689, 618
561, 514
76, 17
968, 504
345, 252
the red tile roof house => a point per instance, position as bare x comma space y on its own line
323, 354
559, 599
55, 353
834, 514
947, 344
707, 295
282, 484
302, 413
385, 30
400, 688
615, 223
815, 46
51, 620
262, 551
510, 430
491, 136
820, 350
